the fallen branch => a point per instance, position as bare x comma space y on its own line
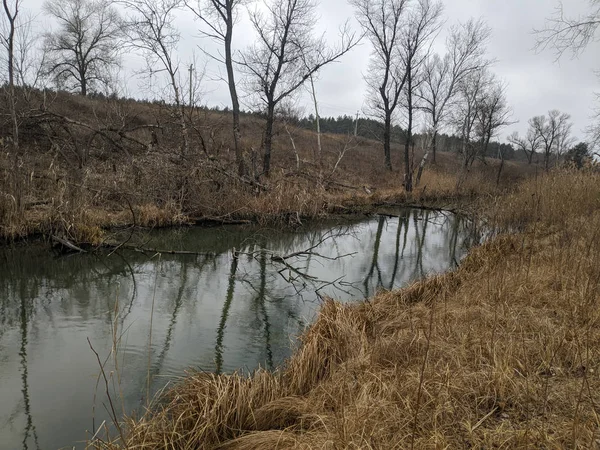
147, 250
65, 119
68, 244
217, 221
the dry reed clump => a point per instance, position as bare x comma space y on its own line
554, 199
152, 216
502, 353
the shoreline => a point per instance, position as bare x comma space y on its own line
287, 219
507, 343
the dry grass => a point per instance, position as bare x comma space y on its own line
502, 353
45, 189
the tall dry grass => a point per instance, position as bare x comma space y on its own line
504, 352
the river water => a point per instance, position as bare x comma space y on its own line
146, 318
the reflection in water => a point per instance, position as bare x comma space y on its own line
375, 261
225, 314
29, 427
260, 299
235, 310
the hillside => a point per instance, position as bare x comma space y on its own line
86, 164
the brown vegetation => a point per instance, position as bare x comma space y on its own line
501, 353
86, 164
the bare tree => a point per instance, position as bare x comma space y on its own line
11, 15
529, 144
219, 17
465, 52
554, 132
467, 116
150, 30
563, 33
29, 57
415, 43
493, 113
9, 37
383, 22
565, 140
84, 50
285, 56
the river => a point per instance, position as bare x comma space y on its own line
147, 318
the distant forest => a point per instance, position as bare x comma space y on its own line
373, 129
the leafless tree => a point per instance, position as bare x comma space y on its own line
563, 33
285, 56
287, 114
84, 49
415, 43
11, 13
313, 94
383, 22
554, 132
480, 111
218, 18
493, 113
464, 114
565, 140
465, 53
29, 57
151, 31
529, 144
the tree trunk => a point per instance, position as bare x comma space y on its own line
500, 168
179, 111
462, 175
11, 47
434, 143
421, 167
235, 104
268, 140
318, 119
407, 169
387, 135
287, 130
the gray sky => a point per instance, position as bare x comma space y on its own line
536, 82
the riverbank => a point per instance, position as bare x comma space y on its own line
84, 166
503, 352
154, 192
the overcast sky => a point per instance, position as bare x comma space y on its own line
536, 82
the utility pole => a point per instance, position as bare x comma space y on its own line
356, 125
191, 82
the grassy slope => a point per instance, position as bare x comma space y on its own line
503, 352
157, 188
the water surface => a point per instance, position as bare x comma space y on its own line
234, 307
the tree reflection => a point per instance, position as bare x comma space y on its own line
403, 219
261, 299
375, 259
225, 314
29, 426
